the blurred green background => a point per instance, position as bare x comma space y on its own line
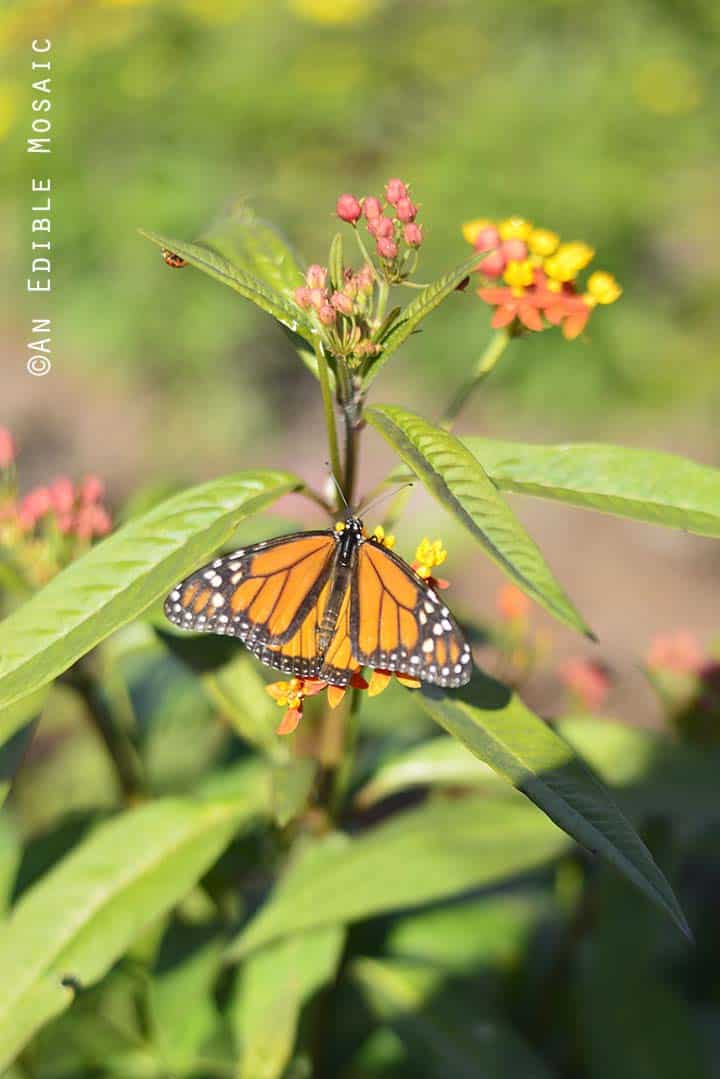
597, 121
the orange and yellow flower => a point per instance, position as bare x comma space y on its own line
541, 276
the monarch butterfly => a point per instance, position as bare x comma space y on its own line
320, 605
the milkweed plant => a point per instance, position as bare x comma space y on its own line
217, 912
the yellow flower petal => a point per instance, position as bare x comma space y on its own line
472, 229
379, 681
603, 287
543, 242
514, 228
335, 695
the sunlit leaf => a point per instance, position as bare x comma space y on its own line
419, 856
496, 726
207, 259
659, 488
238, 691
448, 1033
184, 1014
123, 575
417, 310
257, 248
275, 984
458, 481
70, 927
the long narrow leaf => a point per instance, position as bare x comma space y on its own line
117, 580
496, 726
251, 288
659, 488
276, 982
422, 855
411, 317
69, 928
460, 484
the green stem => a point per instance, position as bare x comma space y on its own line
381, 306
329, 411
343, 773
495, 348
119, 748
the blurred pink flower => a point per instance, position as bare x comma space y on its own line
587, 680
7, 448
679, 652
512, 604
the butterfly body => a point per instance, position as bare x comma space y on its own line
322, 604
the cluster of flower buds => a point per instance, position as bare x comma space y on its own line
291, 695
344, 312
540, 274
391, 223
51, 524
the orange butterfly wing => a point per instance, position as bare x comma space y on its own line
270, 595
399, 623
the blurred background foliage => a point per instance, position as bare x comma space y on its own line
597, 121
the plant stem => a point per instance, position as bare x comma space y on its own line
495, 348
329, 410
119, 748
343, 772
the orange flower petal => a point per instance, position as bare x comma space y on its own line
494, 295
334, 695
503, 316
409, 683
289, 721
529, 316
555, 313
313, 686
574, 324
379, 681
358, 682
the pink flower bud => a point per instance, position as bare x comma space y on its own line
395, 190
515, 250
383, 226
65, 523
315, 276
318, 297
342, 303
406, 210
92, 489
35, 505
365, 278
413, 234
372, 207
62, 495
492, 265
487, 238
348, 208
7, 448
102, 522
302, 296
387, 248
326, 314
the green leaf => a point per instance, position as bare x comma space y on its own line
438, 762
208, 260
491, 932
412, 315
496, 726
458, 481
184, 1014
123, 575
336, 263
70, 927
659, 488
419, 856
635, 1024
443, 1029
276, 982
291, 782
238, 690
257, 248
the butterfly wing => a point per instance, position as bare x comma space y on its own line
270, 595
399, 623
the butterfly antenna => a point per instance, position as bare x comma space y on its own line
338, 487
382, 497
